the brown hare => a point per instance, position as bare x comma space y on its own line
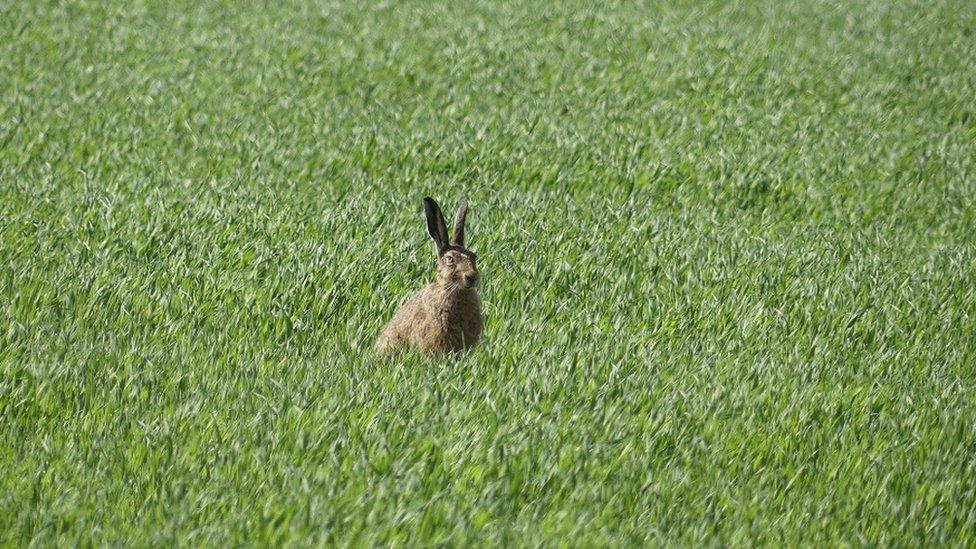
444, 316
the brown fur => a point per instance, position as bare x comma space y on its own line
444, 316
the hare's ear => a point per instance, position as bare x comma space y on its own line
459, 223
435, 224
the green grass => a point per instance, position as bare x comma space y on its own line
729, 256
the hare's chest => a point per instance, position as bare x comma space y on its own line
462, 323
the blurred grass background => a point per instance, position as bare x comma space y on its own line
728, 257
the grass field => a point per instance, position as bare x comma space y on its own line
729, 261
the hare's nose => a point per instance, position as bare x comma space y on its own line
470, 280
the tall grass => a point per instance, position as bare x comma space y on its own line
728, 255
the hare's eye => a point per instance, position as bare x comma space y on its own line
448, 260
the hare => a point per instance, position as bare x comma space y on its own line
444, 316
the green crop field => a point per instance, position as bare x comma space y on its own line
728, 256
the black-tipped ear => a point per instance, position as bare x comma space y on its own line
435, 224
459, 223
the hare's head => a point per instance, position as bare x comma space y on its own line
456, 265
